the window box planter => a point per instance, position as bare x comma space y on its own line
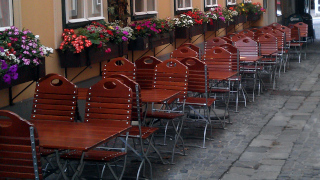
69, 59
253, 17
139, 44
161, 39
188, 32
222, 24
242, 18
212, 26
27, 73
234, 22
117, 50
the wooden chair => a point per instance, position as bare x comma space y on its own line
171, 75
230, 35
266, 29
275, 25
183, 52
248, 33
145, 71
199, 103
303, 28
193, 47
108, 102
227, 39
281, 38
120, 66
237, 37
213, 42
55, 99
19, 148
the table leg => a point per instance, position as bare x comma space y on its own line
80, 167
60, 166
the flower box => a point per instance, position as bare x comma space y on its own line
212, 25
162, 39
188, 32
253, 17
117, 50
27, 73
139, 44
222, 24
242, 18
69, 59
234, 22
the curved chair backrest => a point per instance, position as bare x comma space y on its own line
55, 98
183, 52
213, 42
254, 30
237, 37
228, 40
172, 75
275, 25
268, 44
247, 47
281, 37
198, 75
247, 32
220, 59
193, 47
109, 101
120, 66
145, 70
19, 152
230, 35
303, 27
295, 33
287, 31
266, 29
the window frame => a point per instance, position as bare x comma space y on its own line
230, 3
143, 15
212, 5
184, 8
247, 1
11, 17
79, 22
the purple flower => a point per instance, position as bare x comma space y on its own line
27, 48
1, 49
23, 46
26, 61
117, 27
30, 44
222, 18
7, 78
125, 32
14, 75
4, 65
16, 33
25, 32
35, 61
256, 13
13, 68
124, 38
41, 53
9, 32
34, 51
24, 37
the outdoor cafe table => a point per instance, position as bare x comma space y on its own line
75, 136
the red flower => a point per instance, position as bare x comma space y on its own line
110, 32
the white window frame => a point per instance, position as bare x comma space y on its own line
247, 1
211, 3
184, 8
85, 12
145, 11
11, 16
229, 2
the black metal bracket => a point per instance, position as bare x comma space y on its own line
66, 72
11, 98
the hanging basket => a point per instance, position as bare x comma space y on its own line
222, 24
242, 18
69, 59
188, 32
27, 73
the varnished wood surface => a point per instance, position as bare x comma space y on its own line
75, 136
221, 75
250, 58
157, 95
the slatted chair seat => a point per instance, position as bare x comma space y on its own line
19, 148
55, 99
145, 71
94, 155
213, 42
183, 52
146, 132
164, 115
120, 66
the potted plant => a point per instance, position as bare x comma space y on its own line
233, 14
213, 21
190, 24
21, 57
255, 10
165, 34
242, 11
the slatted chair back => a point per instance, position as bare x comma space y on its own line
172, 75
19, 148
230, 35
216, 41
109, 102
135, 91
254, 30
303, 27
234, 51
237, 37
55, 99
247, 47
247, 32
268, 44
266, 29
120, 65
287, 31
183, 52
227, 39
198, 75
295, 33
281, 37
275, 25
220, 59
145, 71
193, 47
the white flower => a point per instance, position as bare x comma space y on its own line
37, 36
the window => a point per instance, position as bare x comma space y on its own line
247, 1
183, 5
211, 3
144, 7
83, 10
6, 14
231, 2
